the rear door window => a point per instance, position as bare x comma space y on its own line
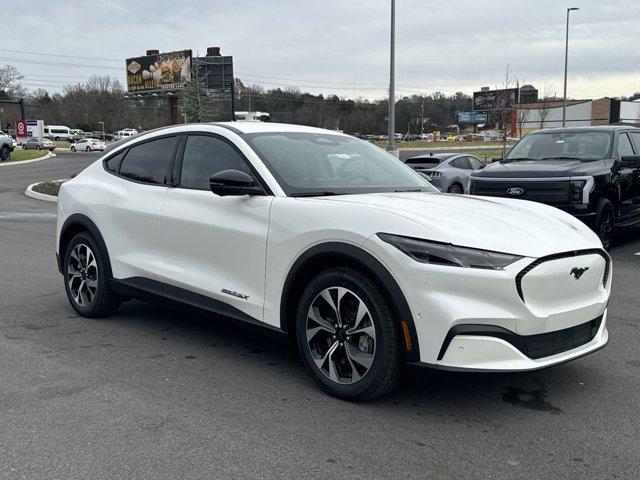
461, 162
624, 146
150, 161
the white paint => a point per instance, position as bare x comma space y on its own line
204, 243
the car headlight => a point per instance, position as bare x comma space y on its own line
437, 253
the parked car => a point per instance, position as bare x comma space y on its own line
125, 133
36, 143
328, 240
7, 145
88, 145
448, 172
102, 135
77, 136
592, 173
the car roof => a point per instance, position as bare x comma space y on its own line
438, 156
595, 128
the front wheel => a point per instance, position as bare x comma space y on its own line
605, 222
37, 147
5, 153
88, 149
347, 335
86, 280
73, 149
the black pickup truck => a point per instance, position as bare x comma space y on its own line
592, 173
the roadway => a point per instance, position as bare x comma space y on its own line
156, 393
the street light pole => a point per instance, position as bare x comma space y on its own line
103, 133
566, 59
391, 148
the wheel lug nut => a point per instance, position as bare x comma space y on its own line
333, 337
341, 344
348, 339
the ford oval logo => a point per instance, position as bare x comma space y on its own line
515, 191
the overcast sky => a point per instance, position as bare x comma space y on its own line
339, 46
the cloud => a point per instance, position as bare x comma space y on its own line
339, 46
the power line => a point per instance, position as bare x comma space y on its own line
59, 55
57, 64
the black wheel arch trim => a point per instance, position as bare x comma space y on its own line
371, 265
81, 220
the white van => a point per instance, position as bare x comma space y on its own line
57, 132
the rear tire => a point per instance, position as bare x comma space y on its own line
456, 189
605, 222
361, 358
73, 149
86, 281
88, 149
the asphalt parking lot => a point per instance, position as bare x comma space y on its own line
157, 393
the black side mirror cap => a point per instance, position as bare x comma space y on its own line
496, 159
630, 161
234, 182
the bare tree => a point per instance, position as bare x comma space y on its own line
10, 86
545, 103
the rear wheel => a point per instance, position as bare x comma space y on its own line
456, 188
37, 147
88, 149
73, 149
605, 222
347, 335
86, 280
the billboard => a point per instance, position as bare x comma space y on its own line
472, 117
153, 73
495, 99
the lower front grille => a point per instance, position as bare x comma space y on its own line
552, 343
533, 346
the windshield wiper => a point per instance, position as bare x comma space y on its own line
403, 190
560, 158
318, 193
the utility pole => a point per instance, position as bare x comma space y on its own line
391, 148
422, 119
566, 60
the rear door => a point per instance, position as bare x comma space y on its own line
629, 207
215, 245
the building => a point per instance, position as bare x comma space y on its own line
580, 113
252, 116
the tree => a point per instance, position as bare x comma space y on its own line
10, 86
197, 105
545, 103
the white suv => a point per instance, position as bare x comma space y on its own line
328, 240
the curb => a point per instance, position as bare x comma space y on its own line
30, 192
22, 162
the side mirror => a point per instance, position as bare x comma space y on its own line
234, 182
496, 159
631, 161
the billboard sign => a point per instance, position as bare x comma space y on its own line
162, 72
472, 117
495, 99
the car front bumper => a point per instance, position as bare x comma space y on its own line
501, 320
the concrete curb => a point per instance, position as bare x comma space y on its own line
30, 192
22, 162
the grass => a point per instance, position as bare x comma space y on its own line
50, 187
19, 155
62, 144
447, 145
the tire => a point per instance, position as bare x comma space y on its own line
73, 149
56, 139
88, 149
456, 189
5, 153
87, 301
605, 222
37, 147
360, 361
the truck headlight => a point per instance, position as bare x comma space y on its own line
579, 190
437, 253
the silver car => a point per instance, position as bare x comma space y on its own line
449, 172
36, 143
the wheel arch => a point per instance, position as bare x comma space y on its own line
326, 255
73, 225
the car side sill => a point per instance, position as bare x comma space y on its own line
147, 289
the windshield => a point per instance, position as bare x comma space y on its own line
562, 145
325, 164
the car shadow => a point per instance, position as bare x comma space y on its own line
420, 389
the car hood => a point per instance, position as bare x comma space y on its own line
500, 224
540, 168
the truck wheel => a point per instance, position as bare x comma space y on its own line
605, 222
5, 153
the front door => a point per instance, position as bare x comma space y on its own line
629, 181
215, 245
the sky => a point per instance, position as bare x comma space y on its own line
338, 46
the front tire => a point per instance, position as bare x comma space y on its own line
88, 149
605, 222
73, 149
5, 153
86, 280
347, 335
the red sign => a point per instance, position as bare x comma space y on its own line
21, 128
